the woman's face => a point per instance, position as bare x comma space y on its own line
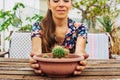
60, 8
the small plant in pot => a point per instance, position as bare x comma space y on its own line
58, 52
59, 63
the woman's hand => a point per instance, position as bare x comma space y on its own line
82, 65
34, 64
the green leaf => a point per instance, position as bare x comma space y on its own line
106, 23
7, 38
27, 27
18, 5
29, 19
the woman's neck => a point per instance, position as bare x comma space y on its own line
60, 22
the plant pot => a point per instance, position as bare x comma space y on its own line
58, 67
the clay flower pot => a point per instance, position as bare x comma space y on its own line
58, 67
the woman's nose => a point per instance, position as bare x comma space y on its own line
61, 3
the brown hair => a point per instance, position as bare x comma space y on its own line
48, 37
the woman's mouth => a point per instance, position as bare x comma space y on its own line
61, 11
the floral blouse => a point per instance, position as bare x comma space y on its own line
75, 30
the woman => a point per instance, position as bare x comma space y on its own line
57, 29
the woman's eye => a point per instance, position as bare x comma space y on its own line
55, 1
66, 0
58, 1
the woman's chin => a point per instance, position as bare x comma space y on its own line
61, 17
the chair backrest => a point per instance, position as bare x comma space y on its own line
20, 45
98, 46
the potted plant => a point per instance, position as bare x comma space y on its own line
59, 63
113, 33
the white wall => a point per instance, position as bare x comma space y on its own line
10, 3
1, 4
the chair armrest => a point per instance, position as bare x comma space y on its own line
2, 54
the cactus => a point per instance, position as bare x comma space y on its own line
66, 51
59, 52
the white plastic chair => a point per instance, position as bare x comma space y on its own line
98, 46
20, 45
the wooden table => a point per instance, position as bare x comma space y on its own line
11, 69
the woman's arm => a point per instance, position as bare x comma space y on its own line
36, 38
36, 49
80, 50
36, 45
80, 45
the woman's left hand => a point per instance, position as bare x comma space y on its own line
81, 66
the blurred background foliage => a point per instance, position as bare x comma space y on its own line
102, 13
10, 18
91, 9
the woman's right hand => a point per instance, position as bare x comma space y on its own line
34, 64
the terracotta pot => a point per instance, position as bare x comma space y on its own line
58, 67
